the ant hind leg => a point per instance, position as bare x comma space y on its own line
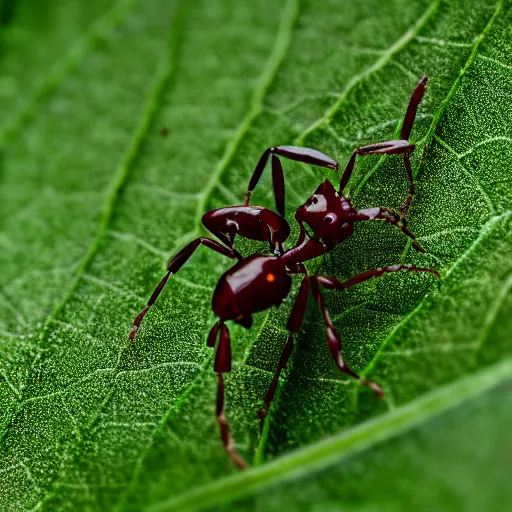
223, 365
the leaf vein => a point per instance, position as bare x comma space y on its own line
472, 177
484, 142
492, 314
484, 233
162, 77
396, 47
335, 448
495, 61
277, 56
444, 104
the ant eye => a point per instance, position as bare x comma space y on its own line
329, 218
314, 199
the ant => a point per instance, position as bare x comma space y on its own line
258, 281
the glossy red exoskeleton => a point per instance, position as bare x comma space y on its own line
258, 281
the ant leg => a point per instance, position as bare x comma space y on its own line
412, 188
298, 154
334, 284
256, 175
392, 147
172, 268
222, 362
306, 155
405, 133
222, 365
278, 184
334, 340
225, 434
389, 215
212, 336
294, 324
412, 108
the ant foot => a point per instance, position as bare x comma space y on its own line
376, 389
262, 413
418, 247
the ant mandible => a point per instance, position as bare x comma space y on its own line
258, 281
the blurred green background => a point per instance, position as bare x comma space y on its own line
121, 123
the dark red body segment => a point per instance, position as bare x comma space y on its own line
328, 214
253, 284
258, 282
253, 222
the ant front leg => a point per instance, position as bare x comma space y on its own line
172, 268
294, 324
401, 146
298, 154
334, 340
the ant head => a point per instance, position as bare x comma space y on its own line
323, 211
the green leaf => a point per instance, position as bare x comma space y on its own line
309, 479
94, 198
